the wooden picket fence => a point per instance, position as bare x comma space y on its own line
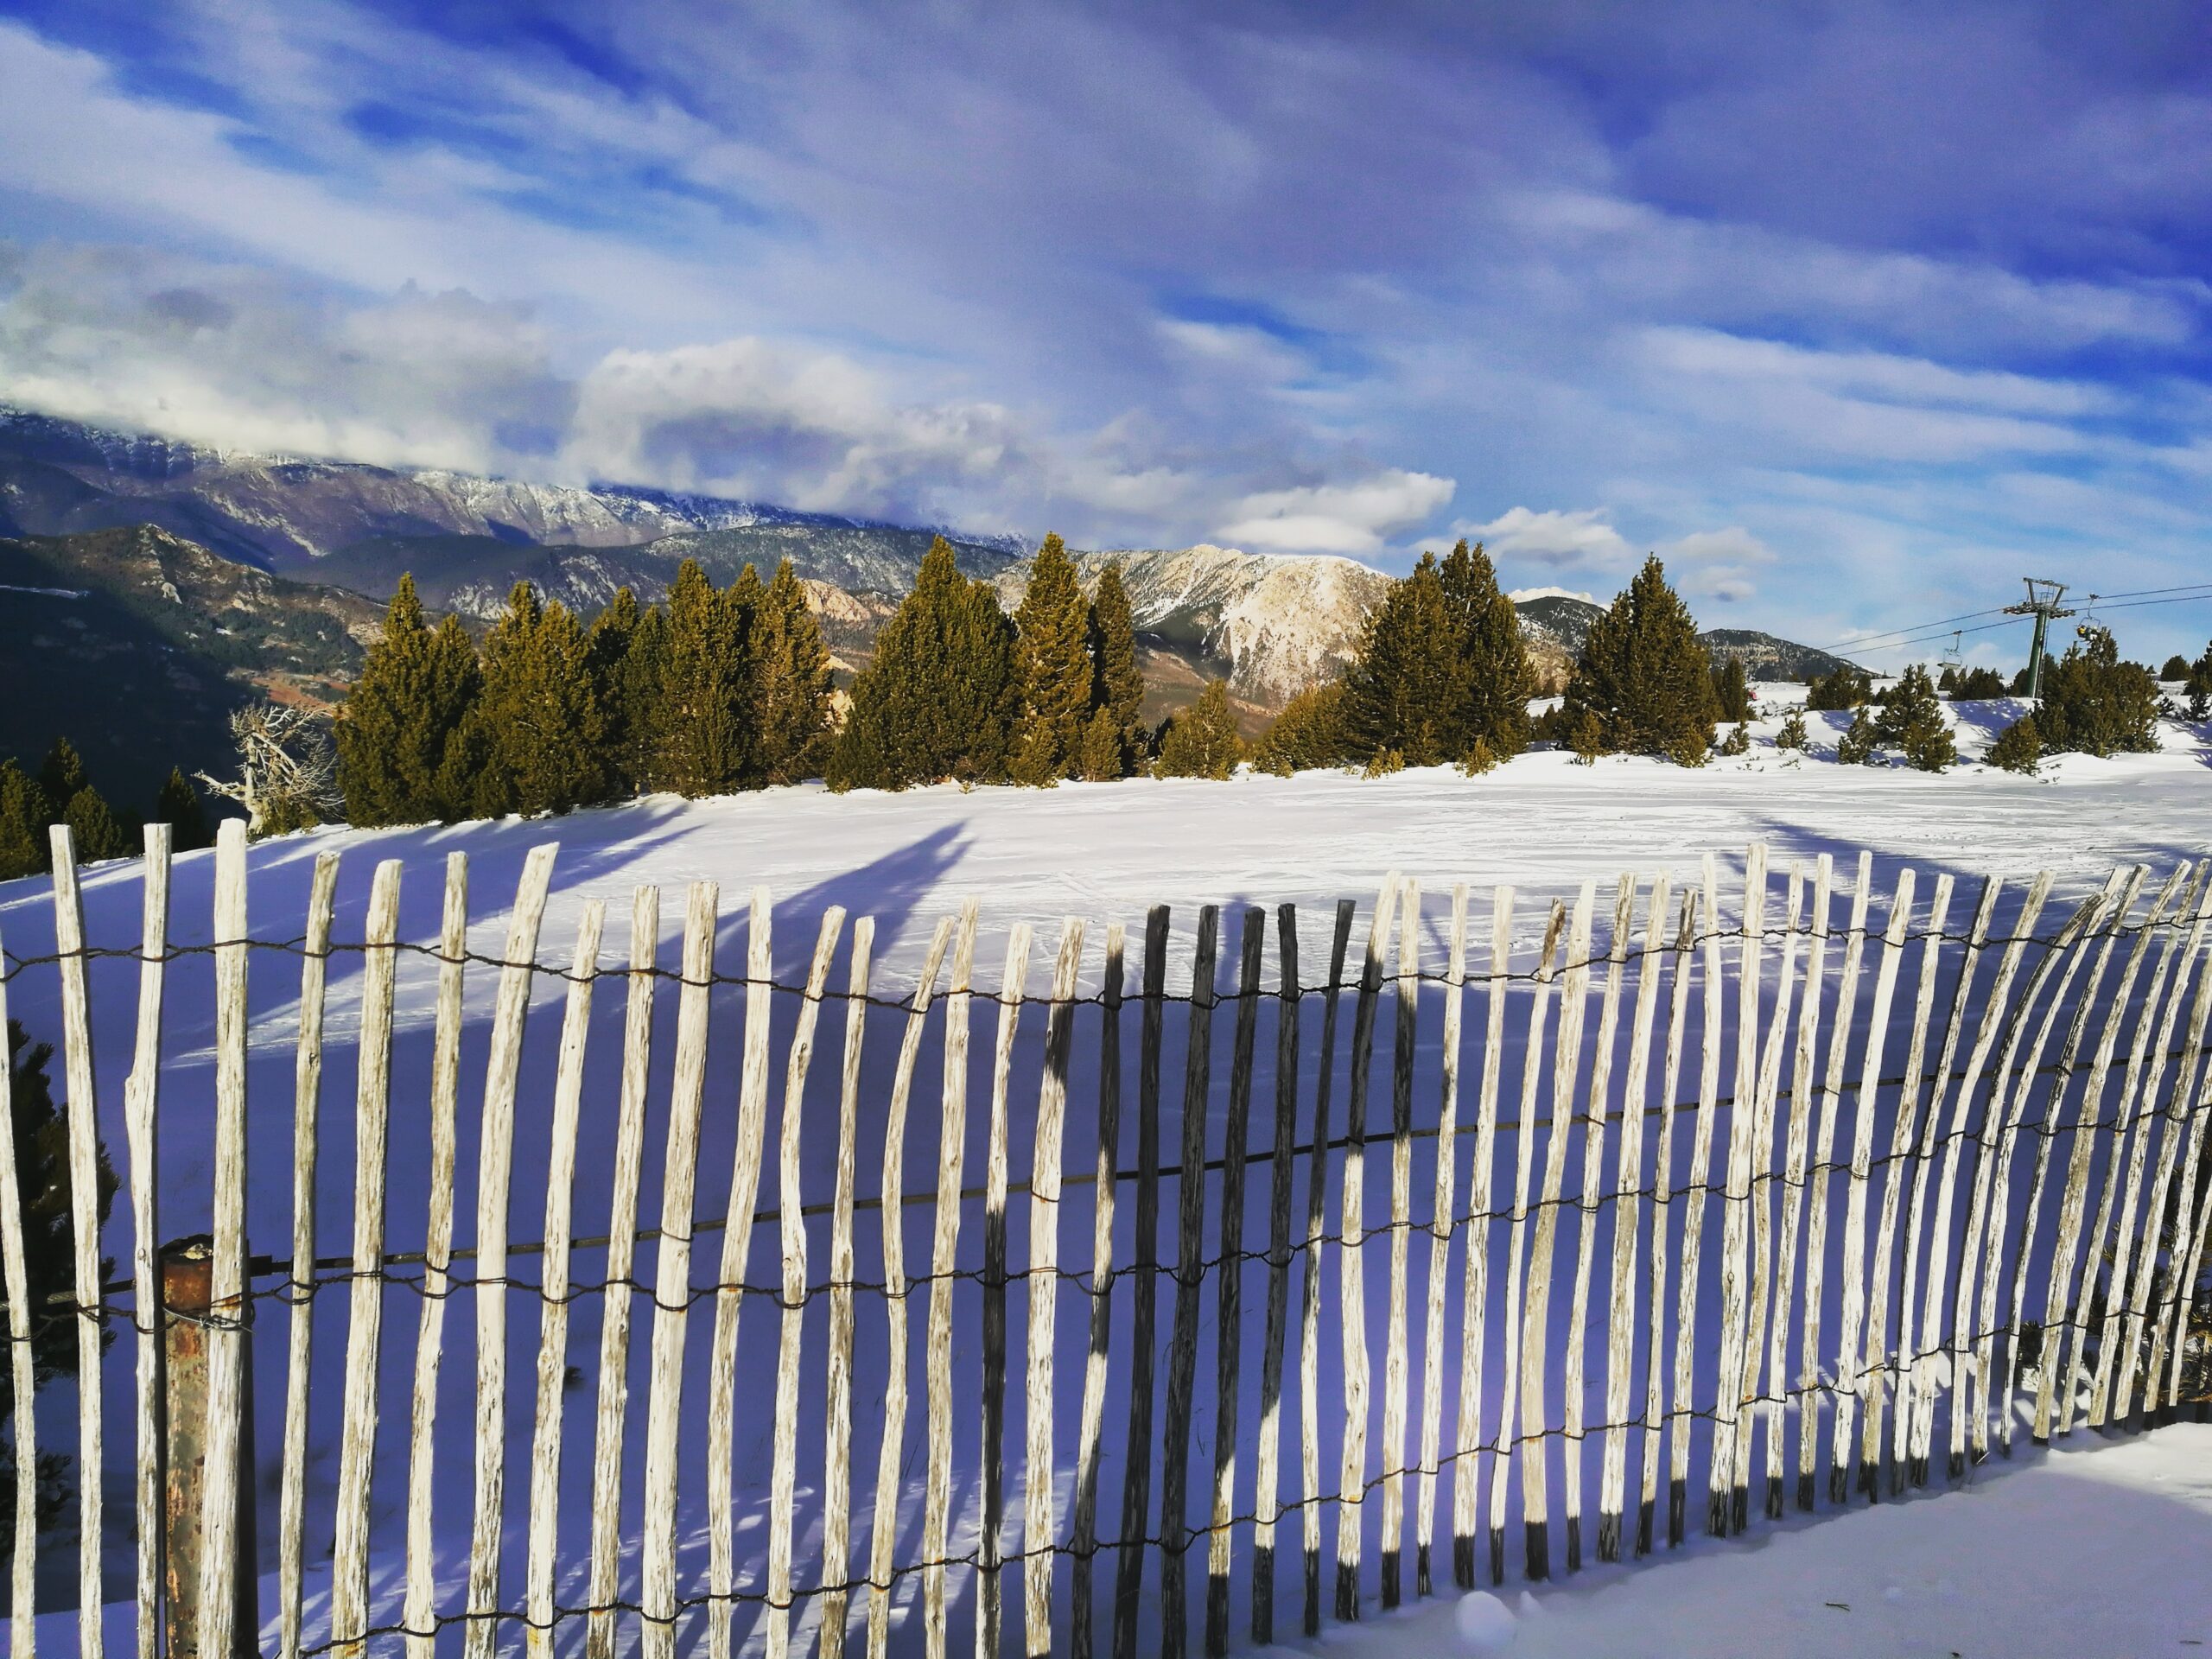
1702, 1201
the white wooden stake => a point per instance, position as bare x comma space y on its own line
621, 1274
672, 1275
782, 1476
553, 1314
349, 1573
419, 1603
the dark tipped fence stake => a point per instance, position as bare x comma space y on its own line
188, 1285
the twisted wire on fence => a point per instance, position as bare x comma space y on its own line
2064, 1299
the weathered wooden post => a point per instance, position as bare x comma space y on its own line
187, 1282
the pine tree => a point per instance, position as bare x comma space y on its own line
708, 709
2093, 704
791, 683
2176, 668
1847, 688
93, 830
1308, 732
1118, 687
1857, 747
59, 777
2019, 748
626, 719
939, 699
1977, 685
1405, 688
538, 717
1738, 741
179, 807
401, 755
1585, 736
24, 818
1493, 678
1052, 627
1793, 735
1731, 692
2198, 686
1912, 719
1643, 675
1102, 751
1480, 758
1202, 742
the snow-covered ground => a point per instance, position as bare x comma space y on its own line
1101, 851
2097, 1552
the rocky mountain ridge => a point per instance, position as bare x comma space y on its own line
1268, 624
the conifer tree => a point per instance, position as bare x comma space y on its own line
1977, 686
401, 757
1308, 732
2198, 688
1793, 735
939, 699
1493, 678
606, 649
93, 830
2093, 704
40, 1134
708, 711
1102, 751
179, 806
1732, 690
59, 777
790, 681
1118, 688
1404, 689
2019, 748
1912, 720
2176, 668
1202, 742
1846, 688
1643, 676
24, 818
1052, 627
538, 717
1858, 746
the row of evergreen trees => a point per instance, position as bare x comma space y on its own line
31, 803
724, 689
959, 690
717, 691
1442, 674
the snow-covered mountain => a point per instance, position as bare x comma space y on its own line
284, 512
1269, 624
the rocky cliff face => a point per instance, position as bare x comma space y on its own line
1269, 624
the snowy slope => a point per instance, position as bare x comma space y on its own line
1101, 851
2078, 1553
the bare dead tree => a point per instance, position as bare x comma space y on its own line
288, 768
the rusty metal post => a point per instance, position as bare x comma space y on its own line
187, 1277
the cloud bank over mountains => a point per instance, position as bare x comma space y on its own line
1854, 314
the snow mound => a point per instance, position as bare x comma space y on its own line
1484, 1624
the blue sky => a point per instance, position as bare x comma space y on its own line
1855, 315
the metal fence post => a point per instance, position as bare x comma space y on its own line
187, 1287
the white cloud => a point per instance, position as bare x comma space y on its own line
1551, 538
1352, 518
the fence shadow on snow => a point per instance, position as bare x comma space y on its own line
1199, 1316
